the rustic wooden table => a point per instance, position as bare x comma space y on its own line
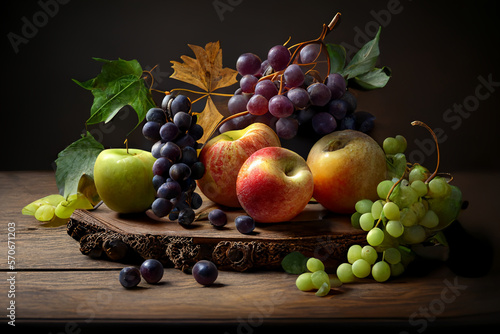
54, 288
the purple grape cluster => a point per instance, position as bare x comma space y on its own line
291, 98
175, 132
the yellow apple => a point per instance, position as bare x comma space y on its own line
346, 166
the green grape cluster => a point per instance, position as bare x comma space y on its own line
312, 274
56, 207
317, 279
413, 205
365, 261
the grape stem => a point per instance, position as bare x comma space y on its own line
149, 72
387, 199
422, 124
273, 76
394, 186
326, 29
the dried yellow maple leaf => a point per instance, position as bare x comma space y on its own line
205, 71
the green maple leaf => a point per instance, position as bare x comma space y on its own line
119, 84
76, 162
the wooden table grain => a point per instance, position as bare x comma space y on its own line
56, 289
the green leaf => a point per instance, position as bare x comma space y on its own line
364, 60
337, 54
294, 263
74, 162
119, 84
376, 78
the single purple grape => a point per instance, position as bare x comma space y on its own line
129, 277
279, 57
152, 271
205, 272
244, 224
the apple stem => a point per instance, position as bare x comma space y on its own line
419, 123
126, 144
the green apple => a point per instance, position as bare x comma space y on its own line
124, 179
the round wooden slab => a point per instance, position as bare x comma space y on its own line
315, 232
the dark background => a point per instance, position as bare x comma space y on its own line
437, 52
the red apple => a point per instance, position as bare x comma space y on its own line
274, 185
223, 156
347, 166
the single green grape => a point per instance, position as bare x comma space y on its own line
394, 228
323, 290
344, 273
314, 265
353, 253
418, 172
304, 282
420, 187
355, 220
391, 145
369, 254
397, 269
419, 209
319, 277
438, 187
430, 219
448, 208
408, 217
404, 195
361, 268
414, 234
402, 143
381, 271
391, 211
45, 213
383, 188
375, 236
392, 255
366, 221
335, 282
63, 211
377, 208
363, 206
